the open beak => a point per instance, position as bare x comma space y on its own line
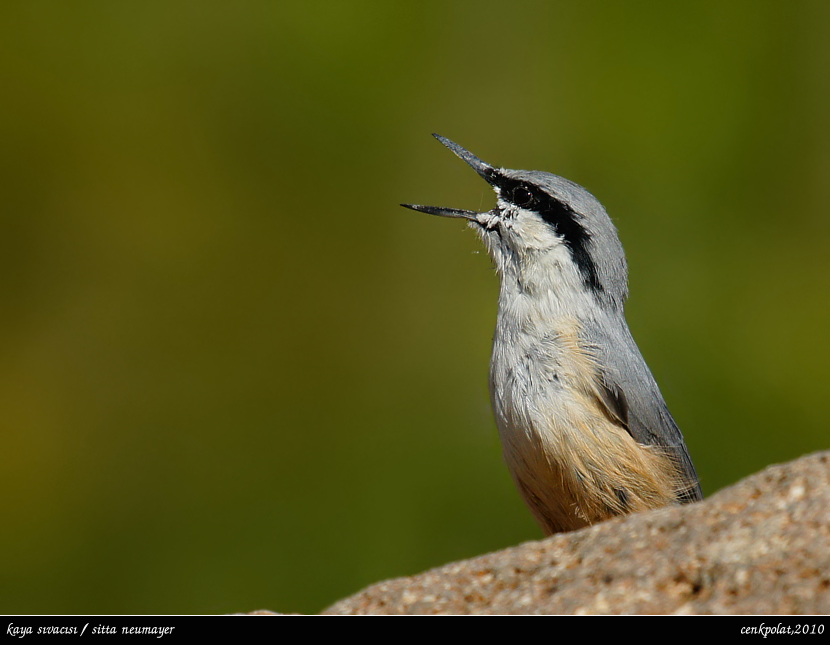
485, 170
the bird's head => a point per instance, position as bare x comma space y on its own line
545, 232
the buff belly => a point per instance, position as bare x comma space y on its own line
573, 464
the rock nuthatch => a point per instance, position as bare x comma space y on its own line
585, 431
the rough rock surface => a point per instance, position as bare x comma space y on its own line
761, 546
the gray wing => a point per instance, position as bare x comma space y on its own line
630, 394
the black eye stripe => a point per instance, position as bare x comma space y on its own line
562, 218
521, 196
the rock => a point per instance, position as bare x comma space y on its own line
761, 546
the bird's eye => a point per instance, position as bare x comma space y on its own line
521, 196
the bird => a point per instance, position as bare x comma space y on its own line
584, 428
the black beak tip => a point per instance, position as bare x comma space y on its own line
452, 145
422, 209
485, 170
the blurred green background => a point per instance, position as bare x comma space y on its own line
235, 374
